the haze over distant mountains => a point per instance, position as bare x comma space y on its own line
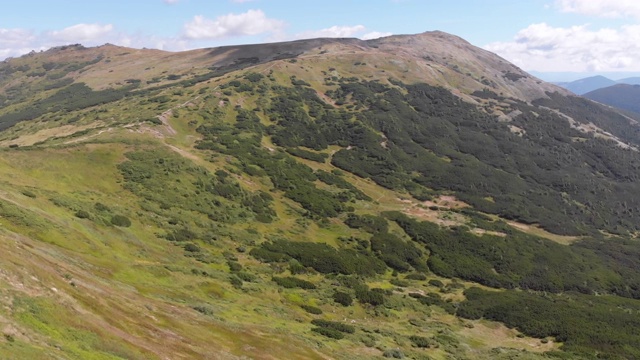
585, 85
622, 96
623, 93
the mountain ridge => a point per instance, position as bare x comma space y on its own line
226, 55
622, 96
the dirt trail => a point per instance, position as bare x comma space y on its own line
164, 117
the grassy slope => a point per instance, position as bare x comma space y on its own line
116, 280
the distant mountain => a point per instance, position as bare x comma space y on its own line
622, 96
630, 80
583, 86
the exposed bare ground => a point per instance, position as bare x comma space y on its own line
422, 210
497, 335
44, 134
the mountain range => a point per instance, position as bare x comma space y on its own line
412, 196
585, 85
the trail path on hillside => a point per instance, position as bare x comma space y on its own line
164, 117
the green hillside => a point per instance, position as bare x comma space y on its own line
621, 96
312, 200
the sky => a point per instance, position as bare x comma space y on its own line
554, 39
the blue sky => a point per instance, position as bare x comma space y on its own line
548, 36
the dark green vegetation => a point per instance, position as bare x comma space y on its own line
73, 97
585, 324
321, 257
435, 141
518, 260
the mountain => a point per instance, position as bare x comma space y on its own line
630, 80
588, 84
412, 196
622, 96
583, 86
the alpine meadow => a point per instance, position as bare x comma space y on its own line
411, 196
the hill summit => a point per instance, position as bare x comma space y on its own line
412, 196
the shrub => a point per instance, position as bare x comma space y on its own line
191, 247
330, 333
234, 266
235, 281
342, 298
181, 235
120, 220
203, 309
372, 297
399, 283
101, 207
254, 77
416, 276
334, 325
311, 309
321, 257
155, 121
81, 214
244, 276
421, 341
435, 299
28, 193
393, 353
291, 282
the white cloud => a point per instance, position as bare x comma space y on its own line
332, 32
375, 35
15, 37
252, 22
541, 47
601, 8
81, 33
171, 2
16, 42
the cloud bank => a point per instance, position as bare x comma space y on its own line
252, 22
541, 47
582, 48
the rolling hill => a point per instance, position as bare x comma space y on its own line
622, 96
583, 86
412, 196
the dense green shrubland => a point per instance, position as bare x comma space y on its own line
433, 139
588, 325
321, 257
517, 260
73, 97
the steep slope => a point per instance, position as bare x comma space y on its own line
330, 198
622, 96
